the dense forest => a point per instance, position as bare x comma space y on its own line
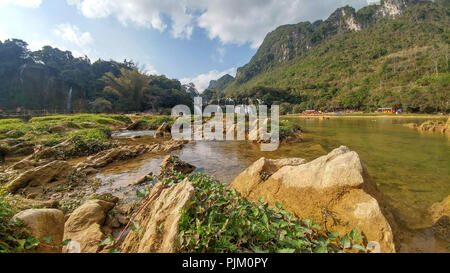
56, 81
355, 60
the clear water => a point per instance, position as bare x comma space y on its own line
411, 168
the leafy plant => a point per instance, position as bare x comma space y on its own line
221, 220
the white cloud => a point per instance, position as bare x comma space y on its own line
22, 3
72, 34
145, 13
202, 81
231, 21
149, 69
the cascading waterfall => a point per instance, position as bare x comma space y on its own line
22, 68
69, 100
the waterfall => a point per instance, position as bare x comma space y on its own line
22, 68
198, 105
69, 100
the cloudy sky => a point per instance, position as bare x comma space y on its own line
192, 40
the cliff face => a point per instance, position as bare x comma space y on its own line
289, 41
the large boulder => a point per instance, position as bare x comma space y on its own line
43, 223
84, 226
40, 175
334, 190
159, 220
440, 216
260, 171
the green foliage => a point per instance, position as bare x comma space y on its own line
91, 141
13, 237
41, 80
221, 220
101, 105
401, 62
153, 122
288, 128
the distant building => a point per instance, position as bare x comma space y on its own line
386, 110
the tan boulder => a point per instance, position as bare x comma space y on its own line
260, 171
159, 221
43, 223
84, 225
440, 216
40, 175
334, 190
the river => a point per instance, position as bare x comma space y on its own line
411, 168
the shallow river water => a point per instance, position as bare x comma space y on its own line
411, 168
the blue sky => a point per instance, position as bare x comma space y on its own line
191, 40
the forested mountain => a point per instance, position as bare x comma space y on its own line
54, 80
221, 83
392, 54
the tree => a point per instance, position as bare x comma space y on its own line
130, 86
101, 105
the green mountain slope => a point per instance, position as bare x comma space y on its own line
389, 59
221, 83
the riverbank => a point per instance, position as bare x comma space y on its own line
371, 115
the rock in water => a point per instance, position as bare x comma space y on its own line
440, 215
159, 220
163, 130
171, 162
334, 190
83, 227
43, 223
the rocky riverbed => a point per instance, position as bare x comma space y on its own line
61, 205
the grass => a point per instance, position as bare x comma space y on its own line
153, 122
89, 132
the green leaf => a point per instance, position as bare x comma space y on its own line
47, 239
113, 250
278, 205
108, 241
354, 234
66, 242
134, 226
345, 241
358, 247
333, 236
321, 249
286, 250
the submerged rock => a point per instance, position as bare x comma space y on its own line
84, 226
43, 223
334, 190
435, 126
440, 216
159, 220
